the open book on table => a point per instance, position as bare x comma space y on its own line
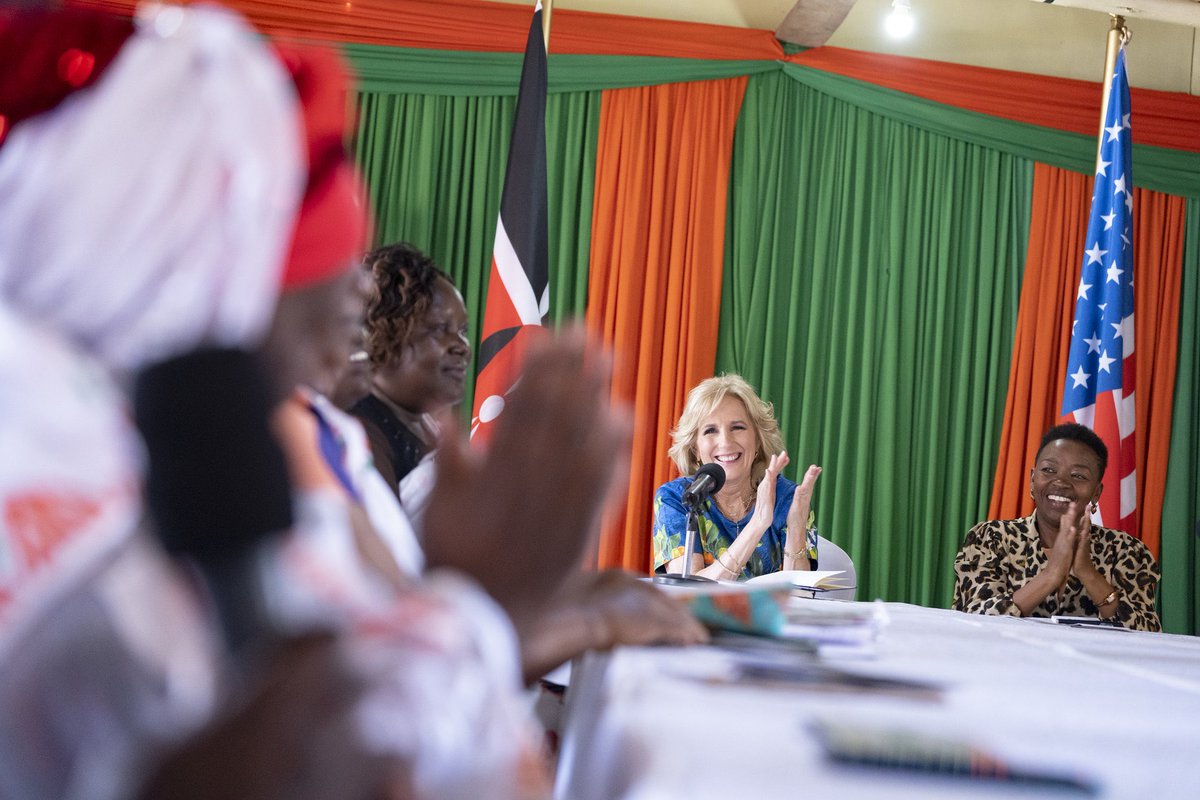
764, 606
817, 579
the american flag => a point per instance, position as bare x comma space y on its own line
1099, 389
518, 297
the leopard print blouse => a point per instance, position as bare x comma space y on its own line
999, 556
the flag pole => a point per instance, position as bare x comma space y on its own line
547, 9
1100, 388
1118, 34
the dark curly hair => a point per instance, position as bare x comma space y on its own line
404, 279
1077, 433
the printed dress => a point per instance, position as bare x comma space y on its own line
998, 557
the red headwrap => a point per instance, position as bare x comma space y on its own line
47, 55
331, 227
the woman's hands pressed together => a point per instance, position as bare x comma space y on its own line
1081, 563
1072, 551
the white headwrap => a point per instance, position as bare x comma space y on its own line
151, 212
142, 217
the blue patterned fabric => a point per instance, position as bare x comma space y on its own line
716, 531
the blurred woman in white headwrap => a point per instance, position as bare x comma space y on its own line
149, 175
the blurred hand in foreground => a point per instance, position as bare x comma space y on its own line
518, 517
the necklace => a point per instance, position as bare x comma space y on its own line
744, 504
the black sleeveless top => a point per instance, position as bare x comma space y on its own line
407, 449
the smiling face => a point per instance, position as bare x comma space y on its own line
727, 437
429, 372
1065, 471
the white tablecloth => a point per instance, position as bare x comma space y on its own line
1120, 707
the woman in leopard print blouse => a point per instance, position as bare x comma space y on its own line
1054, 561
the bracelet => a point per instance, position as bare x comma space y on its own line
721, 563
1113, 595
796, 556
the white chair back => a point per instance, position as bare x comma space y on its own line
830, 556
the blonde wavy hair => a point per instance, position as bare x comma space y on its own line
702, 401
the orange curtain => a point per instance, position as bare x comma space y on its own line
1164, 119
1061, 204
1158, 258
654, 291
1058, 224
487, 26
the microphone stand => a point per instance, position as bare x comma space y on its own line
689, 544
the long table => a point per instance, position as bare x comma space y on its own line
1119, 708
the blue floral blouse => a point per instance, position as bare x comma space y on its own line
716, 531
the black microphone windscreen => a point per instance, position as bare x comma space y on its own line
217, 481
716, 472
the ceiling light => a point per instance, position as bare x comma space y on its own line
899, 23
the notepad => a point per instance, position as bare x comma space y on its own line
821, 579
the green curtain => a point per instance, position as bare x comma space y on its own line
1179, 596
874, 257
477, 74
872, 278
434, 165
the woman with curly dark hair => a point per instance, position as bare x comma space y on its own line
416, 340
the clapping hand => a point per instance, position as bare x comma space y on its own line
1071, 529
1081, 563
797, 519
517, 518
764, 505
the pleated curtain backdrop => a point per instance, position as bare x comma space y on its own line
1062, 201
662, 173
870, 294
873, 301
1179, 593
1158, 237
435, 166
1058, 222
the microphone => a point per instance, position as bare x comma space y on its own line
708, 481
217, 483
